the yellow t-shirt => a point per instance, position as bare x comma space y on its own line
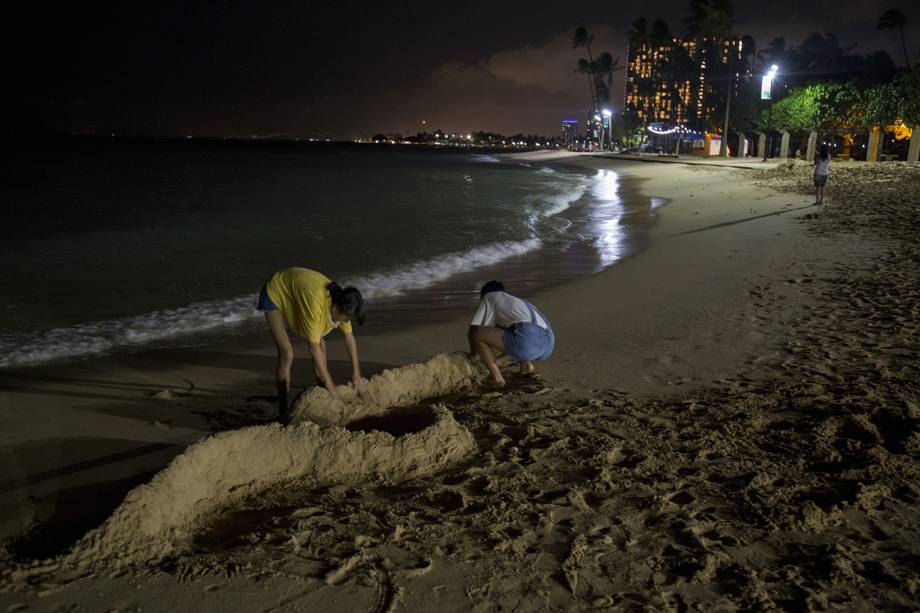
301, 295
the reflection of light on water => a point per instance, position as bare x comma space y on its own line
608, 230
607, 186
610, 242
654, 203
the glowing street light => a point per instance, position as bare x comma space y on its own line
600, 129
766, 93
607, 115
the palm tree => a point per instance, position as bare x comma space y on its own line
660, 34
587, 68
581, 38
891, 19
638, 35
823, 54
738, 64
711, 20
775, 53
605, 66
679, 70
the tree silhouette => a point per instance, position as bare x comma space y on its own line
777, 53
709, 22
660, 34
581, 38
638, 35
709, 19
605, 66
891, 19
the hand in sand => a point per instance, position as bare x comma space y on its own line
360, 387
333, 391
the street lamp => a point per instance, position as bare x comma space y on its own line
766, 93
600, 130
606, 113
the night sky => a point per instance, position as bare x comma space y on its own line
339, 69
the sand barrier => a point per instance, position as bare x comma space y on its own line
442, 374
160, 518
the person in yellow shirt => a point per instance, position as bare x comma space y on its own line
311, 305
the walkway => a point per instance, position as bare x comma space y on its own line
745, 163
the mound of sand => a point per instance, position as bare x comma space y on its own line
443, 374
159, 519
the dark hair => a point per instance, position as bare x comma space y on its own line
824, 153
491, 286
347, 300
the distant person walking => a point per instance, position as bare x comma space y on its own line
312, 306
822, 168
511, 326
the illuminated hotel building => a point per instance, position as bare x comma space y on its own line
569, 132
651, 97
592, 128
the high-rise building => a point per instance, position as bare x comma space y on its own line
670, 81
569, 132
593, 129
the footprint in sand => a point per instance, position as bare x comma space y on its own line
682, 498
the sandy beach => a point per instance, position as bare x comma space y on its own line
729, 422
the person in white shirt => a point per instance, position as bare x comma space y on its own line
822, 169
511, 326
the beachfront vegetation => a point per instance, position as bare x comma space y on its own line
822, 86
847, 105
828, 107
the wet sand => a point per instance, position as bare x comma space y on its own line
729, 421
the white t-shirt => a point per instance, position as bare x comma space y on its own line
822, 167
502, 309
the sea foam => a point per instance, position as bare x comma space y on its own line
99, 337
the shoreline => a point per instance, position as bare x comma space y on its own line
565, 250
684, 378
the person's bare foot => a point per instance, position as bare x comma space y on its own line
496, 381
527, 367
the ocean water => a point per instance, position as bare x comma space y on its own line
109, 245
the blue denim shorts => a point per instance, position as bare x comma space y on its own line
528, 341
265, 303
